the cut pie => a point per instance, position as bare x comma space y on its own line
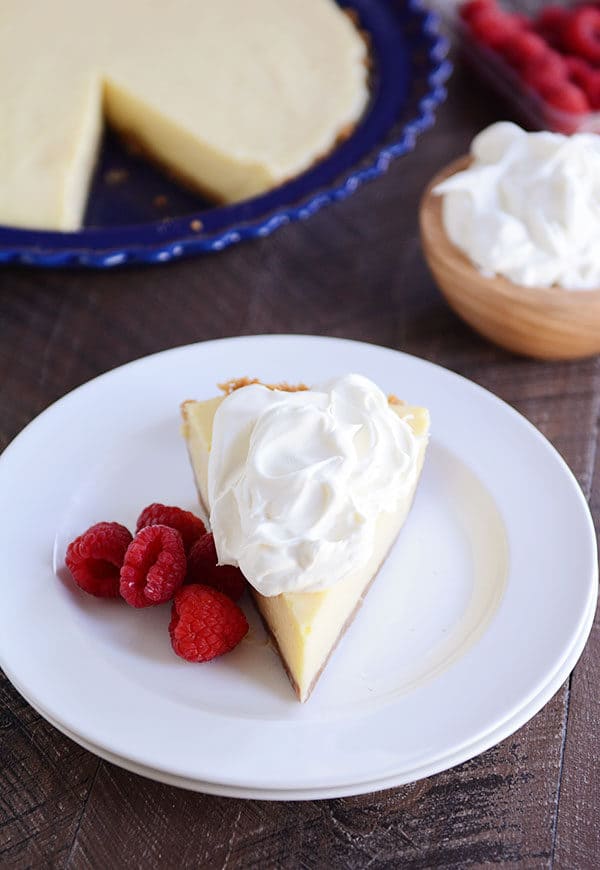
232, 96
307, 625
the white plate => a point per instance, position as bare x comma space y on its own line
507, 728
480, 605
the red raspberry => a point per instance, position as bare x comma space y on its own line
550, 24
203, 568
95, 558
525, 48
205, 623
473, 7
579, 70
592, 91
587, 78
522, 20
582, 33
154, 566
566, 97
189, 526
493, 28
547, 72
551, 64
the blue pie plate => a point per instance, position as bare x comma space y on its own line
136, 214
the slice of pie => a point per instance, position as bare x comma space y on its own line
293, 482
233, 97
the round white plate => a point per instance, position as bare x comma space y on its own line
506, 729
481, 603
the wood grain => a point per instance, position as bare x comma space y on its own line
45, 782
355, 270
578, 831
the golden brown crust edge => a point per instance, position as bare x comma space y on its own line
254, 597
234, 384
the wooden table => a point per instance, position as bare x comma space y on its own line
354, 270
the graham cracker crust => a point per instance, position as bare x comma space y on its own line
234, 384
273, 640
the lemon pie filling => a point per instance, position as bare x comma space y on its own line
234, 97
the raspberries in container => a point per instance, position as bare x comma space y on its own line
549, 64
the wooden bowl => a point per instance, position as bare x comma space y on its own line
546, 323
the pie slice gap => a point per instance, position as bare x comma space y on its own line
307, 626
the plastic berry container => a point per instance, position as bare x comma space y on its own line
529, 104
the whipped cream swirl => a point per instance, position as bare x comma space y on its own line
296, 481
528, 207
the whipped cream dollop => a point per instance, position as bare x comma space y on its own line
528, 207
296, 480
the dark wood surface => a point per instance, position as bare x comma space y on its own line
354, 270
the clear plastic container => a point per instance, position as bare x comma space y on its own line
530, 107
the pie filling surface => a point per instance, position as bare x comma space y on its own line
233, 97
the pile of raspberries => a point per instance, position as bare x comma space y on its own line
556, 54
171, 558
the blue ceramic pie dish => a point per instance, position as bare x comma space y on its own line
137, 215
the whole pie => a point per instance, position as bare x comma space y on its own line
233, 97
306, 491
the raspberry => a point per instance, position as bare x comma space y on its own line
579, 70
189, 526
522, 20
550, 24
582, 33
493, 28
553, 16
525, 48
587, 78
547, 72
566, 97
95, 558
592, 90
154, 566
205, 623
203, 568
552, 64
473, 7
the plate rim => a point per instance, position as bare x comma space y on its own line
299, 339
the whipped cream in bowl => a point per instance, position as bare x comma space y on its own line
510, 232
528, 207
297, 480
